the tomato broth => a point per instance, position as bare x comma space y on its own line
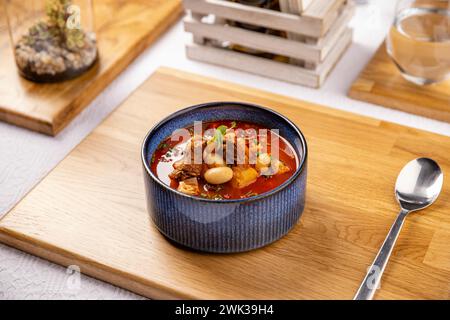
170, 152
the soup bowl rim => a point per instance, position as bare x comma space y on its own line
292, 178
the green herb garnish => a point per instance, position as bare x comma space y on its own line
222, 129
162, 146
219, 134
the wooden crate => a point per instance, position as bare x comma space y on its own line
294, 6
312, 44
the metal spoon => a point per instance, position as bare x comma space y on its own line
418, 186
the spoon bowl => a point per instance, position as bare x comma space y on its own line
419, 184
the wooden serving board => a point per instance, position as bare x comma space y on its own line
124, 30
90, 211
381, 83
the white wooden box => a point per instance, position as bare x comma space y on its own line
294, 6
314, 41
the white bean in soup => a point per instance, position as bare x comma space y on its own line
219, 175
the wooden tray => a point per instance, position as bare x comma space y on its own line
124, 30
381, 83
90, 211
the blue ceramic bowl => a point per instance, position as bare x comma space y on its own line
225, 226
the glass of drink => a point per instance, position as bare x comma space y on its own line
419, 40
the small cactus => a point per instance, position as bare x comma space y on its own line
56, 13
56, 48
55, 27
57, 16
74, 39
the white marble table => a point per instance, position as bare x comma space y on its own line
26, 157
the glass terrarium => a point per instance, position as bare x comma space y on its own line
53, 40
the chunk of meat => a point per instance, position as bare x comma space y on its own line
263, 162
276, 167
183, 170
189, 186
279, 167
243, 177
187, 168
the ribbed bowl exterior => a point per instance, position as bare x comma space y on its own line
226, 227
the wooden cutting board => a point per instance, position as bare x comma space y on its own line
381, 83
124, 30
90, 211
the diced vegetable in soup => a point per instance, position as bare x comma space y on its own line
224, 160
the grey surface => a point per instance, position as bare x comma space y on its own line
26, 157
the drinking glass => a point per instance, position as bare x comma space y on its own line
419, 40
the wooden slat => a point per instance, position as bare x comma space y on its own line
341, 23
294, 6
254, 40
124, 30
310, 24
273, 44
321, 9
270, 68
381, 83
335, 55
90, 211
325, 11
256, 65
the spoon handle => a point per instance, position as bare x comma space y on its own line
372, 280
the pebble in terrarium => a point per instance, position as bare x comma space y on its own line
56, 48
